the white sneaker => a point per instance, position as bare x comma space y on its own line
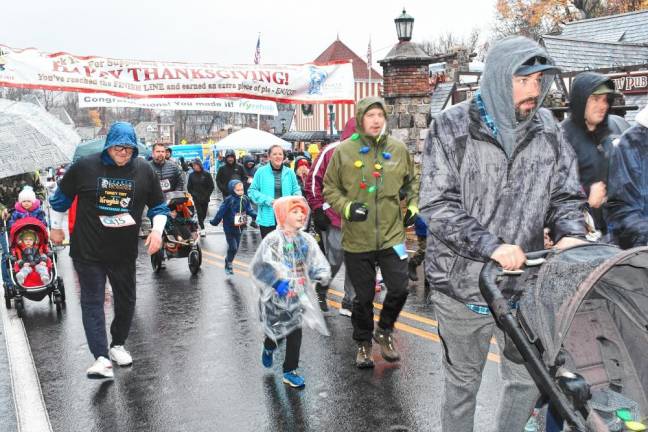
203, 233
120, 356
345, 312
101, 368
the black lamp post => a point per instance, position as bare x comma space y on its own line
283, 125
331, 119
404, 24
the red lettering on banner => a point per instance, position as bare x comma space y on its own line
196, 74
223, 74
279, 80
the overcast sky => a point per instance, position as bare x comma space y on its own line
216, 31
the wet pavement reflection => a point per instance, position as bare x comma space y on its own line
197, 346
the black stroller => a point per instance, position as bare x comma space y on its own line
180, 238
582, 332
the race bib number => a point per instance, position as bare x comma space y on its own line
165, 185
240, 219
115, 195
117, 221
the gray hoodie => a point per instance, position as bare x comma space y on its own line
476, 196
496, 88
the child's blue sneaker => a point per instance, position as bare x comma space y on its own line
266, 357
293, 380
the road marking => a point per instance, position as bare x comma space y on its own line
400, 326
31, 413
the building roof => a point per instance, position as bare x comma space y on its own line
631, 27
639, 99
308, 136
286, 113
338, 51
572, 55
440, 97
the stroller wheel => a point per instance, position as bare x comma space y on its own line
58, 301
156, 261
194, 261
61, 288
20, 308
7, 296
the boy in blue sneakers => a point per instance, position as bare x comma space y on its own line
234, 211
285, 269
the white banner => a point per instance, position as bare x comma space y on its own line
245, 106
307, 83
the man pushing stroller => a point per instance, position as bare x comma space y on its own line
480, 158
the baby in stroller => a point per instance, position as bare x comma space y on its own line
182, 224
30, 252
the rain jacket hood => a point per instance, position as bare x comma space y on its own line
642, 117
231, 185
361, 109
582, 87
496, 88
123, 134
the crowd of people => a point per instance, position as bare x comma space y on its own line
499, 177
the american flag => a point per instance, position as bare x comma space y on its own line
257, 52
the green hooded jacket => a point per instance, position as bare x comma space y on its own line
346, 182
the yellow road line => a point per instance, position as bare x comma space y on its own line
400, 326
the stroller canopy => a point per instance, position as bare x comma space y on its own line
32, 223
594, 276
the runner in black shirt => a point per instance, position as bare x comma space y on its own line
112, 188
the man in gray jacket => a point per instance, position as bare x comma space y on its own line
496, 171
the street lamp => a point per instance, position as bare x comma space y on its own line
283, 125
404, 24
331, 118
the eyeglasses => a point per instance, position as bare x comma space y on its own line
123, 149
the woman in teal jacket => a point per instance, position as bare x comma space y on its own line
271, 181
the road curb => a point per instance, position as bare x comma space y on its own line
31, 413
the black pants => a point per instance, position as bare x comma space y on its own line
265, 230
201, 210
362, 270
293, 345
92, 280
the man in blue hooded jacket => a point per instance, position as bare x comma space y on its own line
112, 188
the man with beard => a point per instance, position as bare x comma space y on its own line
168, 172
590, 130
496, 171
230, 170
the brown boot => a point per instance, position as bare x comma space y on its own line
386, 341
363, 357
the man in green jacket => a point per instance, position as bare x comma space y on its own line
363, 183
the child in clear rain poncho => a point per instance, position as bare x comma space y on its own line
285, 268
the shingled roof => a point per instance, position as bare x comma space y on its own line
572, 55
339, 51
440, 97
631, 27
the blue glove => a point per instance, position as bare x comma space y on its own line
281, 286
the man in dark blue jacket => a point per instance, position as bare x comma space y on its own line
112, 188
590, 130
626, 207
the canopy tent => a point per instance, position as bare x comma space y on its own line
249, 139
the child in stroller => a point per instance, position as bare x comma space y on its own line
182, 225
30, 253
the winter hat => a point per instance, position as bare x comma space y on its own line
27, 194
302, 162
282, 206
27, 233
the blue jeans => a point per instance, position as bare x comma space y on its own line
92, 279
233, 241
5, 256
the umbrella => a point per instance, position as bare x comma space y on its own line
32, 139
96, 145
251, 139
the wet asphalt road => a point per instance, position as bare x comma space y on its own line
197, 347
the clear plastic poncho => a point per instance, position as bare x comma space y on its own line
300, 261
